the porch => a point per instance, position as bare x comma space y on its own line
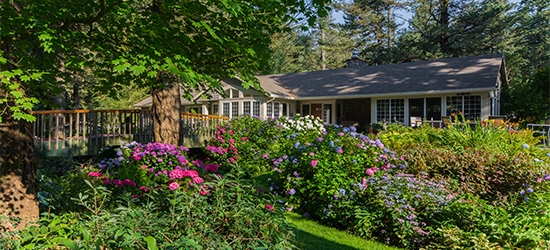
86, 132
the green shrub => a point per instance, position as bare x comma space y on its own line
247, 141
232, 216
469, 222
486, 161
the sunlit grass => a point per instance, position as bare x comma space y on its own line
311, 235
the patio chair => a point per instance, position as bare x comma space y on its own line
544, 131
416, 121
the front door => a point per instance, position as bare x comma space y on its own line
317, 110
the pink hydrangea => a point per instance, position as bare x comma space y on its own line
370, 171
173, 185
176, 174
94, 174
198, 180
314, 163
190, 173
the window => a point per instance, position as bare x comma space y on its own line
276, 109
390, 110
246, 108
215, 108
270, 109
305, 109
225, 111
256, 108
469, 105
234, 93
193, 109
234, 109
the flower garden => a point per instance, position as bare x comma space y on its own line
485, 187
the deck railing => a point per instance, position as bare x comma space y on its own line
85, 132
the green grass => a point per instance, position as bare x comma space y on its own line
311, 235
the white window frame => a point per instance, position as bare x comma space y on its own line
391, 107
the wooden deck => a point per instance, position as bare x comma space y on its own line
85, 132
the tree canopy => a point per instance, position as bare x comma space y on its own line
47, 45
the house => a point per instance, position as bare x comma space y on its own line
360, 94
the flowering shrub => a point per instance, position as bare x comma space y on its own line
140, 168
246, 141
251, 142
491, 162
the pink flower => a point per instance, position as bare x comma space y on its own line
265, 156
211, 167
176, 174
370, 171
364, 183
143, 166
173, 185
198, 180
204, 190
340, 133
144, 189
243, 139
232, 141
269, 207
190, 173
314, 163
311, 154
94, 174
128, 182
232, 160
117, 182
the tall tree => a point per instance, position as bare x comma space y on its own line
372, 25
165, 45
453, 28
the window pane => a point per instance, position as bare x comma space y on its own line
246, 108
383, 110
214, 110
234, 109
225, 110
256, 108
270, 109
276, 109
305, 109
397, 111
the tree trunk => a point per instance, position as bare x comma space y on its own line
444, 20
166, 111
17, 175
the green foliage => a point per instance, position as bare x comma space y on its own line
492, 162
247, 141
253, 143
232, 216
469, 222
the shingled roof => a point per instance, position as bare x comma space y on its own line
476, 73
465, 74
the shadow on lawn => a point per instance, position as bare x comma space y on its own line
308, 241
